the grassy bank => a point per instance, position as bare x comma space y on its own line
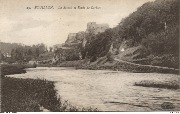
19, 95
8, 69
155, 84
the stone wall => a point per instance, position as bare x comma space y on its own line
94, 28
80, 37
75, 38
71, 38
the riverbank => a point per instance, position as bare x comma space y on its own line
115, 65
26, 95
8, 69
30, 95
103, 64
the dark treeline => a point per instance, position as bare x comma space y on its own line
155, 25
7, 47
23, 53
67, 55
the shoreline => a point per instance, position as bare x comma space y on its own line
115, 66
8, 69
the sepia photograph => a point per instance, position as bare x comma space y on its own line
89, 56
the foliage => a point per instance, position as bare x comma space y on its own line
99, 45
26, 53
27, 95
68, 54
7, 47
155, 25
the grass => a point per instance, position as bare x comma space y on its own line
19, 95
30, 95
8, 69
167, 84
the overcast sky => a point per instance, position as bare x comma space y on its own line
51, 26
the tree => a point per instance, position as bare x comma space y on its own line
50, 49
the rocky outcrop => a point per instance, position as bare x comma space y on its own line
94, 28
71, 38
75, 38
80, 36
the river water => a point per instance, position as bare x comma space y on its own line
107, 90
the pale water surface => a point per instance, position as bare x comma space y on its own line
107, 90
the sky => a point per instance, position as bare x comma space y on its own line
52, 26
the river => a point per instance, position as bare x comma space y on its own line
107, 90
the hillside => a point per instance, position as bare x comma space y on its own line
147, 36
